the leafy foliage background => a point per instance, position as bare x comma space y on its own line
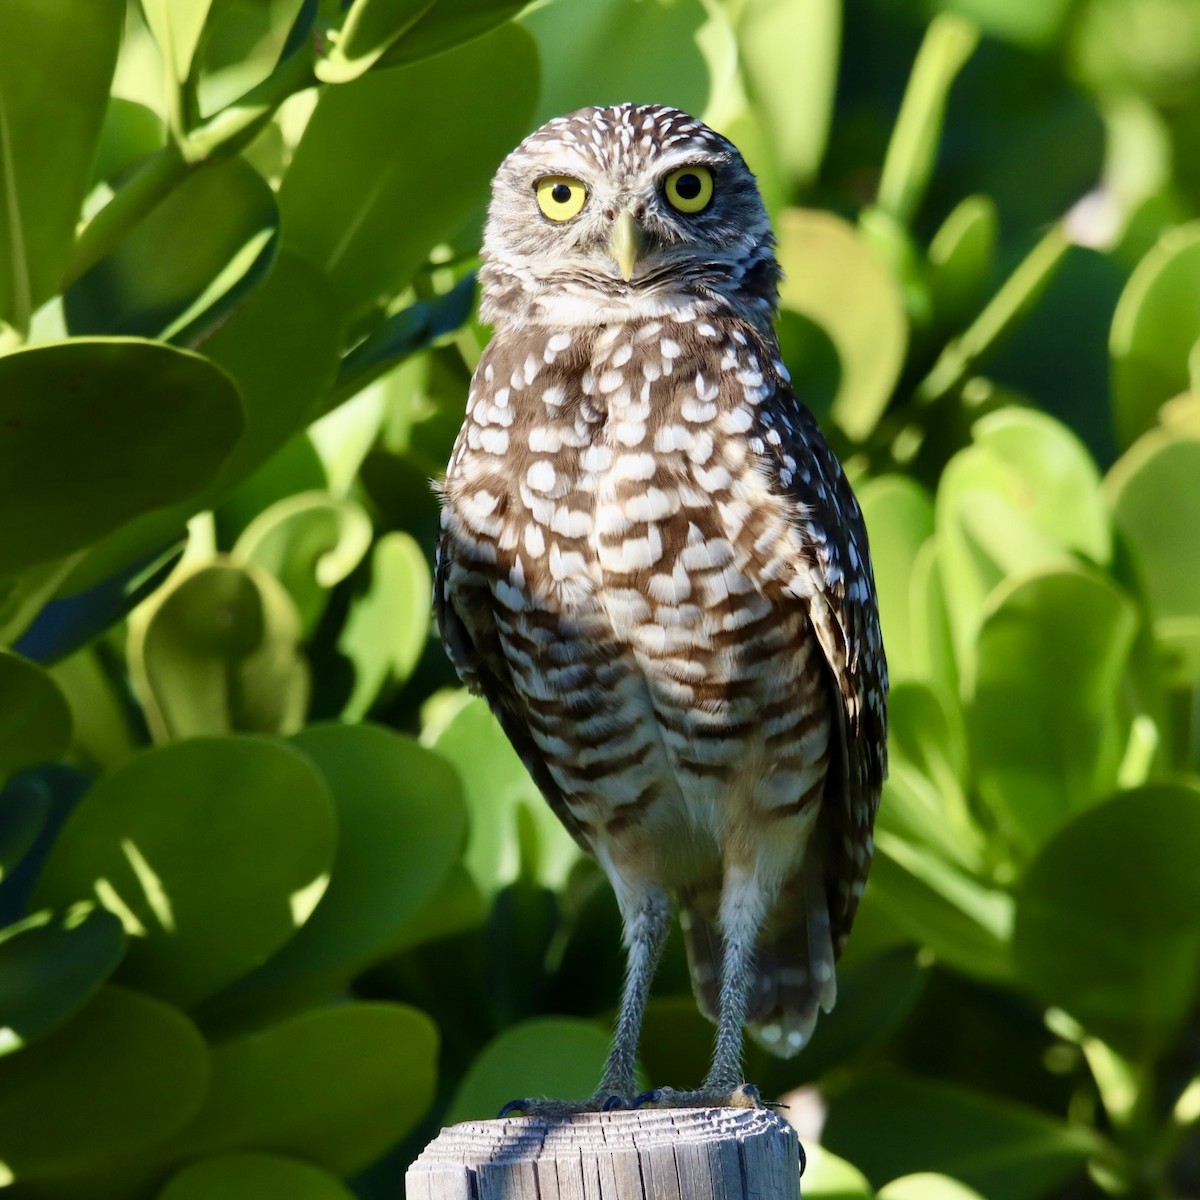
277, 899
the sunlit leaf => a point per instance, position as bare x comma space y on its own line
609, 52
217, 650
388, 626
1024, 496
254, 1177
156, 284
173, 843
832, 277
1046, 722
789, 53
961, 258
926, 1186
446, 24
498, 789
370, 27
310, 542
50, 967
965, 922
56, 61
176, 29
401, 822
1156, 510
899, 516
1156, 324
340, 196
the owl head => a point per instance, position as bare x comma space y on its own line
608, 214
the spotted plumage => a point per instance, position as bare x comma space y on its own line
654, 570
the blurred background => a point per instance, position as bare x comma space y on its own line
276, 898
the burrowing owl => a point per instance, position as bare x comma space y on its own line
654, 570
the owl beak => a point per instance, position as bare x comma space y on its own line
628, 242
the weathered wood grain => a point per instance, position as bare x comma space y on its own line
647, 1154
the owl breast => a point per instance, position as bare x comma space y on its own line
644, 584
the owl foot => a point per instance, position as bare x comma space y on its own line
745, 1096
557, 1109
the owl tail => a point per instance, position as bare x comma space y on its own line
793, 973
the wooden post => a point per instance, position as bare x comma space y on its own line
644, 1154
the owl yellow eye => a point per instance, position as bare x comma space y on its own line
559, 197
689, 189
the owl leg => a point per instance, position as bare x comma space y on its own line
646, 914
746, 897
745, 900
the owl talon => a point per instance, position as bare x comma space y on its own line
746, 1096
517, 1107
615, 1102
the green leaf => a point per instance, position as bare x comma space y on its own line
610, 51
832, 277
899, 516
932, 644
280, 345
1155, 327
124, 1074
927, 1186
1032, 23
254, 1177
789, 54
1106, 918
1045, 720
243, 42
1156, 510
1025, 496
498, 789
963, 921
925, 795
370, 27
335, 1087
401, 822
176, 29
890, 1124
949, 42
827, 1177
388, 626
173, 841
310, 543
130, 133
340, 196
90, 444
56, 62
217, 650
25, 808
156, 283
50, 968
446, 24
405, 333
557, 1057
35, 720
961, 257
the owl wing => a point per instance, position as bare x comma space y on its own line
843, 612
466, 621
